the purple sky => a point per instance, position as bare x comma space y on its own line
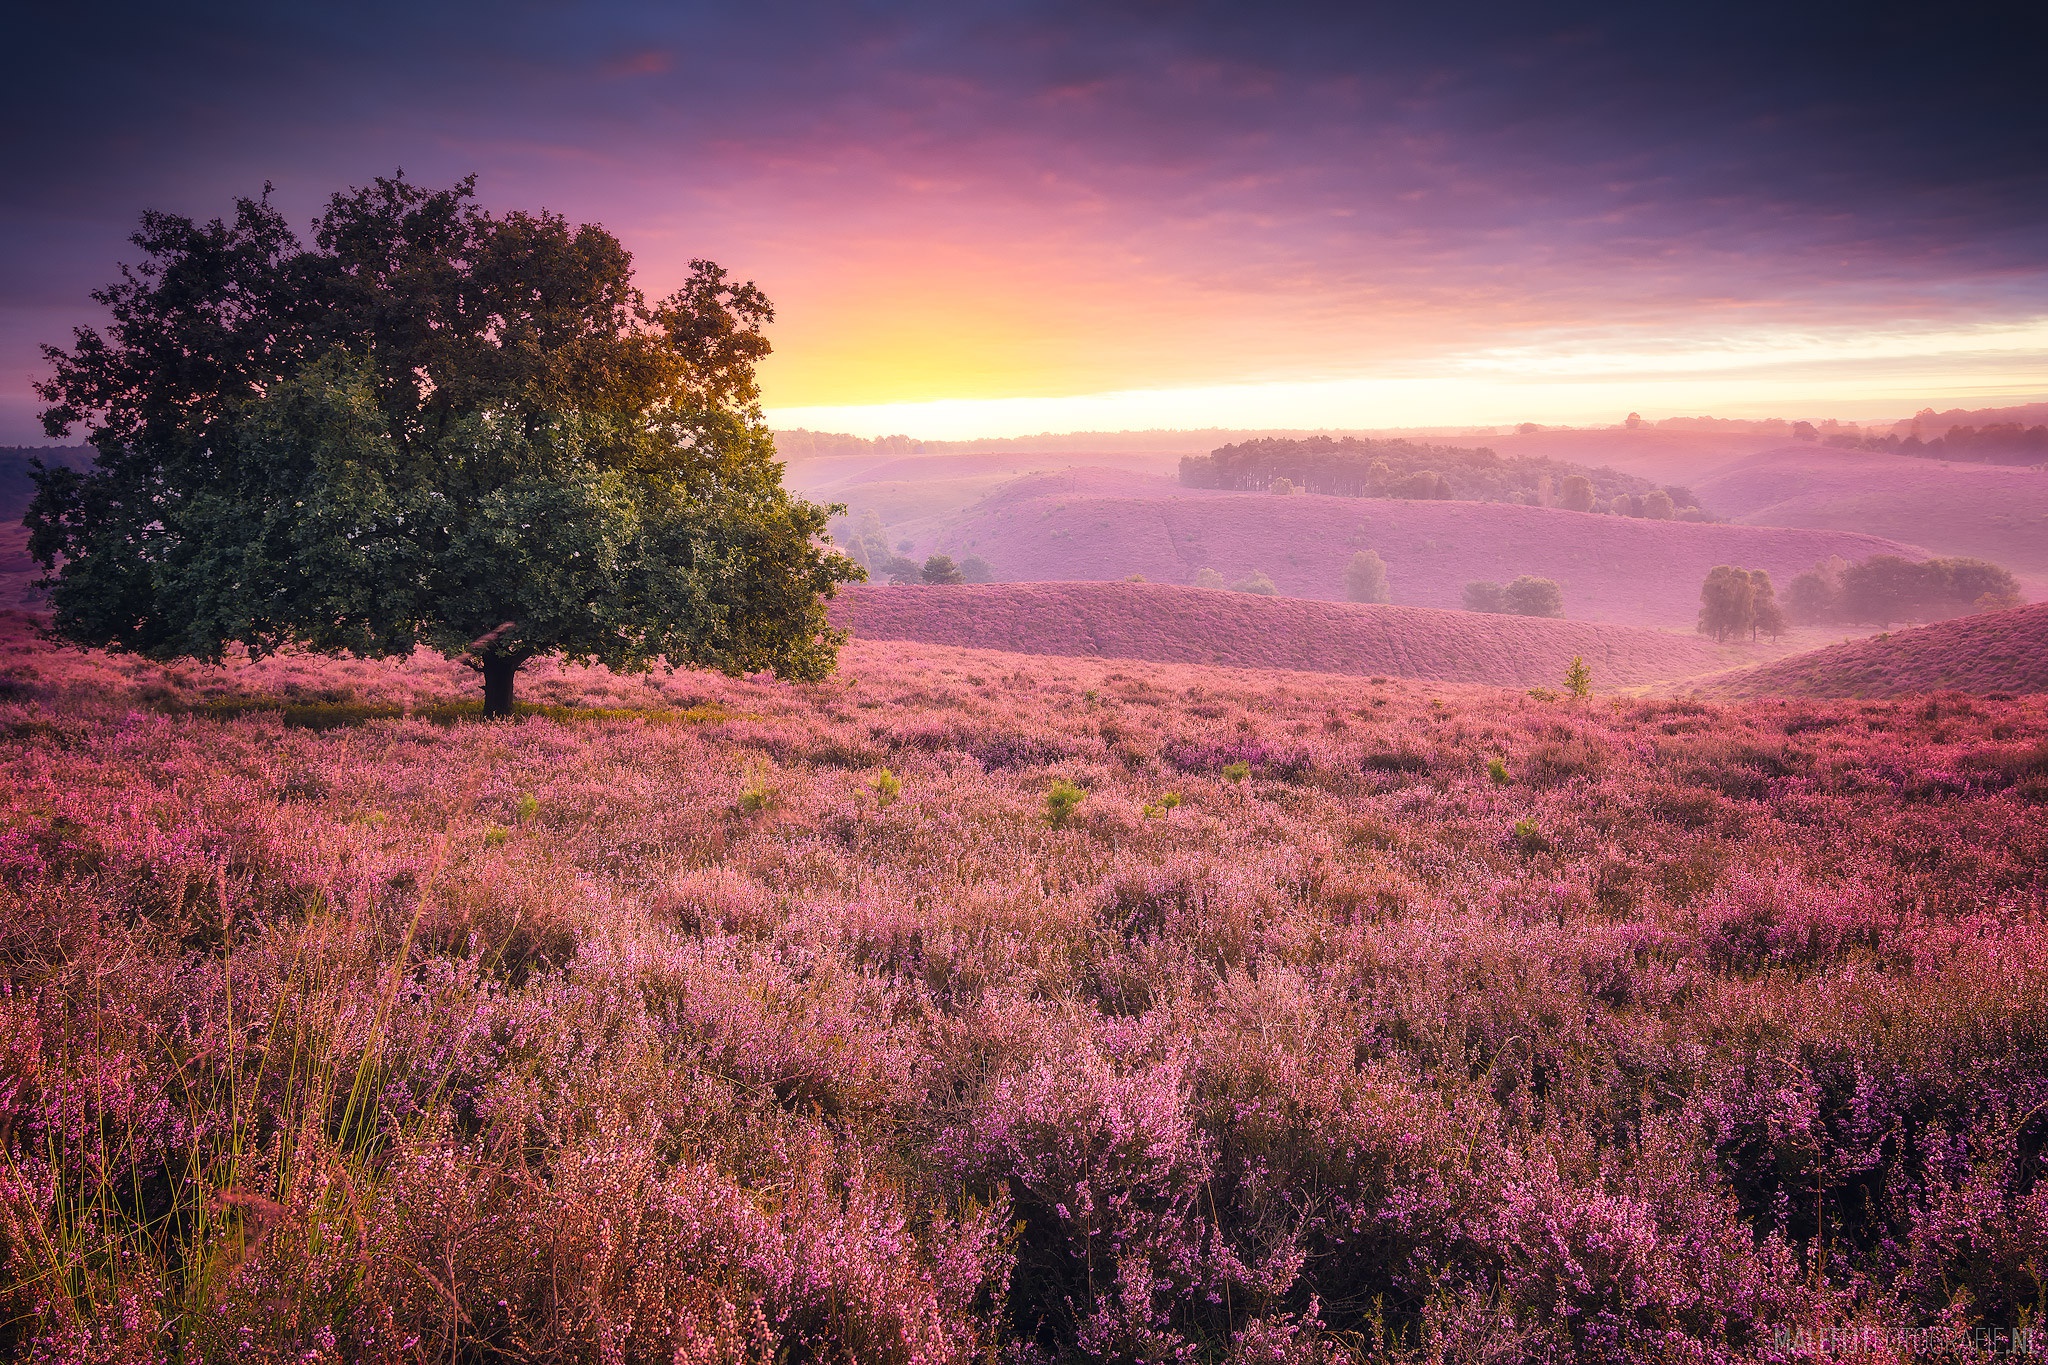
1430, 212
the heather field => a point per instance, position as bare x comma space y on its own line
973, 1006
1246, 630
1092, 525
2002, 652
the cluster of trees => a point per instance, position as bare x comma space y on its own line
434, 426
1888, 588
1734, 600
868, 546
1357, 468
1526, 596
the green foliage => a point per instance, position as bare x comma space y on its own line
1209, 578
941, 569
1060, 800
1159, 808
1575, 494
1532, 596
886, 787
1727, 601
975, 569
1365, 578
756, 795
495, 836
525, 808
1483, 596
1497, 770
1578, 678
1256, 582
1236, 772
1529, 838
435, 427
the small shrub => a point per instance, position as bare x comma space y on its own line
525, 808
1530, 839
1497, 770
495, 836
886, 787
1209, 578
1578, 679
1060, 800
756, 795
1236, 772
1256, 582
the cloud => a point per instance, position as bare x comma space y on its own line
1030, 199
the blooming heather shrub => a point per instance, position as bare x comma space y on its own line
295, 1063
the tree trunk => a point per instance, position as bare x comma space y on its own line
499, 670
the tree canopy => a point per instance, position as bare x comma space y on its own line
431, 426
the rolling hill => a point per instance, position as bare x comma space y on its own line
1170, 624
1084, 525
1995, 512
2003, 651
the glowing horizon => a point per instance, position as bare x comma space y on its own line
1845, 376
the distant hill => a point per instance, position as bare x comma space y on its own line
2003, 651
1204, 626
1994, 512
1084, 526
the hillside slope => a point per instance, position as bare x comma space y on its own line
1061, 528
1199, 626
2003, 651
1996, 512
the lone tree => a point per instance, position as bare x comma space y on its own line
1365, 578
941, 569
434, 426
1532, 596
1727, 601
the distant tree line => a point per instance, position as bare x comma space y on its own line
1888, 588
1992, 443
1352, 467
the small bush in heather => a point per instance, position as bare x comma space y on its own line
1134, 578
495, 836
975, 569
1529, 838
886, 787
1209, 578
526, 808
1532, 596
1236, 772
1157, 810
756, 795
1060, 800
1256, 581
1578, 679
1484, 596
1497, 771
1365, 578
